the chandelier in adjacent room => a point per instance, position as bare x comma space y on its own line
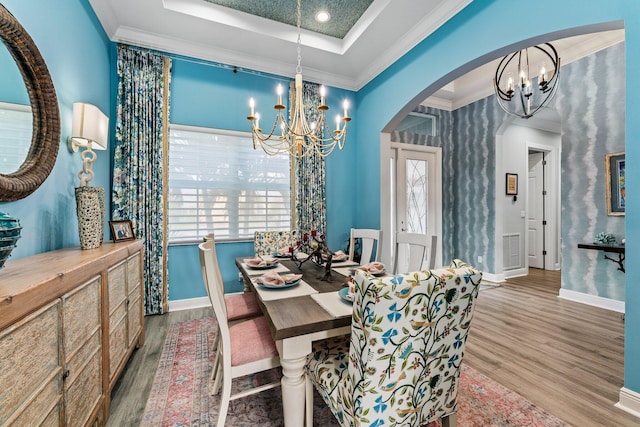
299, 136
516, 91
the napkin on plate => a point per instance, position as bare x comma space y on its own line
337, 256
283, 252
373, 267
274, 279
258, 262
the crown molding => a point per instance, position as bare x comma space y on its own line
189, 49
429, 24
438, 103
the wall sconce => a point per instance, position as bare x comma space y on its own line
90, 130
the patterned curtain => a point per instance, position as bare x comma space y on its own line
309, 183
140, 158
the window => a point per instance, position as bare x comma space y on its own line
219, 183
15, 136
418, 123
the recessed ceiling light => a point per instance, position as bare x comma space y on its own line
323, 16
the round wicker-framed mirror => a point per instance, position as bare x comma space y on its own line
45, 138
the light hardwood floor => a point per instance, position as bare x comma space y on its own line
563, 356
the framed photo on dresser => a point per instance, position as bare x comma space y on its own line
122, 230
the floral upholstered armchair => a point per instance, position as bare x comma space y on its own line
407, 342
270, 243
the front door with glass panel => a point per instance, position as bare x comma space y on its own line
418, 192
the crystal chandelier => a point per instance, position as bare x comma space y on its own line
300, 136
522, 98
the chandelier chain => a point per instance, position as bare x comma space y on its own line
299, 49
297, 134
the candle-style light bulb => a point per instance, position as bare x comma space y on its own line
258, 121
323, 93
345, 105
543, 75
523, 78
279, 92
252, 104
338, 123
510, 84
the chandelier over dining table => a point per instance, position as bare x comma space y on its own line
300, 136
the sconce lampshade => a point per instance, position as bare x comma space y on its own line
89, 125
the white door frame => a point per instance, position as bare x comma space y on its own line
552, 206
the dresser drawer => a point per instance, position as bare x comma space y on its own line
29, 362
117, 345
84, 390
44, 409
117, 285
133, 272
81, 316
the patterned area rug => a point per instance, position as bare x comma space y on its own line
179, 395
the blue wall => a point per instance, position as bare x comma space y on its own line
209, 95
12, 88
415, 76
80, 69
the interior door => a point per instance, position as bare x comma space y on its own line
535, 216
418, 193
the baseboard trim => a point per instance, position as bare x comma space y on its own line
594, 300
629, 402
519, 272
189, 303
494, 278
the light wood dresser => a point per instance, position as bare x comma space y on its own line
69, 321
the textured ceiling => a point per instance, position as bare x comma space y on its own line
344, 13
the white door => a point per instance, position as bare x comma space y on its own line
535, 217
418, 193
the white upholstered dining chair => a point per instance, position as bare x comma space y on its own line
401, 366
371, 244
412, 250
246, 347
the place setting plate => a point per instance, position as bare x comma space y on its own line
270, 263
284, 285
263, 267
344, 294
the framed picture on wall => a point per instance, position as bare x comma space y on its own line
512, 184
616, 191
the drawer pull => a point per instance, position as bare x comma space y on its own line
65, 375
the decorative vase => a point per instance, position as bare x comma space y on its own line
9, 235
90, 210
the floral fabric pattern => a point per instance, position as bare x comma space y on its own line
310, 202
269, 243
407, 342
139, 162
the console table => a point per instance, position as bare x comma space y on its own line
617, 249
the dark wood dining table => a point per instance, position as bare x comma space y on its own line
295, 323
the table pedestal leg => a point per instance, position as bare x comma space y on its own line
293, 357
293, 391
